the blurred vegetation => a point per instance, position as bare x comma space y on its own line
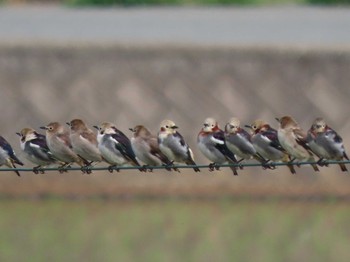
202, 2
170, 230
180, 2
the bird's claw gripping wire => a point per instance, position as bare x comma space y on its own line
38, 169
112, 168
213, 167
322, 162
86, 169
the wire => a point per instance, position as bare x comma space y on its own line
108, 168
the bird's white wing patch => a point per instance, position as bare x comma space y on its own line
113, 140
217, 141
34, 145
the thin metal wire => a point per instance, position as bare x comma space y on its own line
21, 169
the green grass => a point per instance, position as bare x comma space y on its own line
57, 230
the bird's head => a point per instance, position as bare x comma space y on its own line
168, 126
233, 125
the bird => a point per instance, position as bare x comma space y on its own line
115, 147
84, 141
58, 141
8, 156
211, 142
239, 142
35, 149
146, 148
293, 140
172, 144
326, 143
265, 140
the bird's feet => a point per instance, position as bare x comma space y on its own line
63, 168
112, 168
322, 162
268, 165
38, 169
213, 167
86, 169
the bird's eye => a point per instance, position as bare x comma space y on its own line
212, 125
50, 128
167, 126
254, 127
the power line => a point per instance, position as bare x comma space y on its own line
119, 168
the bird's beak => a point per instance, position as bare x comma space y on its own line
19, 134
278, 120
174, 127
43, 127
96, 127
131, 129
205, 125
248, 126
68, 123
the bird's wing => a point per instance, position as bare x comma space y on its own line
219, 139
154, 150
272, 136
40, 149
301, 138
7, 147
90, 136
123, 145
64, 138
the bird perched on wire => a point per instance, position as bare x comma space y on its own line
35, 149
326, 143
239, 142
146, 148
265, 140
211, 142
58, 141
115, 147
173, 145
8, 156
293, 140
84, 141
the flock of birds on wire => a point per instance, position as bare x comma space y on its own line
80, 145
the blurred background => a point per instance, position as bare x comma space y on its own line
139, 62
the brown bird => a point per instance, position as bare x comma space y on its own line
293, 140
146, 148
84, 141
58, 141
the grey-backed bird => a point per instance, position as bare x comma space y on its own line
326, 143
115, 146
239, 142
211, 142
173, 145
265, 140
35, 149
8, 156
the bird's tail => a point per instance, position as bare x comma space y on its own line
343, 167
291, 169
10, 163
190, 162
287, 159
234, 170
16, 160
